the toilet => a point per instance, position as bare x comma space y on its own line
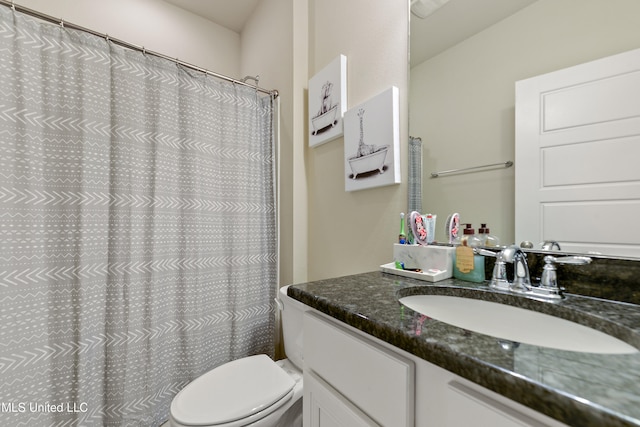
252, 391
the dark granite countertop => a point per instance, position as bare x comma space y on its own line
579, 389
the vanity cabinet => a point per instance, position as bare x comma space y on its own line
348, 378
353, 379
325, 407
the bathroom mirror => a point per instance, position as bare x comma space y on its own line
465, 59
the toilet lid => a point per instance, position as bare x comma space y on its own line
232, 391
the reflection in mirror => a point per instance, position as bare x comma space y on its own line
577, 145
465, 60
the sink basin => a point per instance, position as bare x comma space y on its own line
516, 324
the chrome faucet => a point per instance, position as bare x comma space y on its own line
521, 279
547, 288
499, 278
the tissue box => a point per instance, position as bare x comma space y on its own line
426, 258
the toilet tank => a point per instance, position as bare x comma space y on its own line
292, 312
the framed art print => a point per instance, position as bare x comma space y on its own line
328, 102
372, 142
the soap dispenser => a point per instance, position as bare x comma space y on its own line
486, 237
466, 264
469, 237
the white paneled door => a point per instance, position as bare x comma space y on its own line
578, 157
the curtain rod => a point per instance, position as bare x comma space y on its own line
63, 23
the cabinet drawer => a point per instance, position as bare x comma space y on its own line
471, 406
376, 380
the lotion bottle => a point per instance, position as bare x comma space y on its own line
486, 237
466, 264
470, 238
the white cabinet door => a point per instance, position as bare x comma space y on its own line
325, 407
378, 381
578, 156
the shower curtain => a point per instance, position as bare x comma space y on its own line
415, 174
138, 246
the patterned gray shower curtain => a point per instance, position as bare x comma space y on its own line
415, 174
138, 231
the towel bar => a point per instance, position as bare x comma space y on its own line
506, 164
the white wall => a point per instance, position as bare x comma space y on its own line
158, 26
274, 45
323, 232
462, 101
354, 232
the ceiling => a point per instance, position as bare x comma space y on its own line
232, 14
454, 22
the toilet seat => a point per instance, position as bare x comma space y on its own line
234, 394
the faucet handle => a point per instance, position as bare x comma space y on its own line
499, 276
575, 260
485, 252
550, 245
526, 244
549, 279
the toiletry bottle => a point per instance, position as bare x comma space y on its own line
466, 264
469, 237
486, 237
430, 223
482, 233
402, 237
